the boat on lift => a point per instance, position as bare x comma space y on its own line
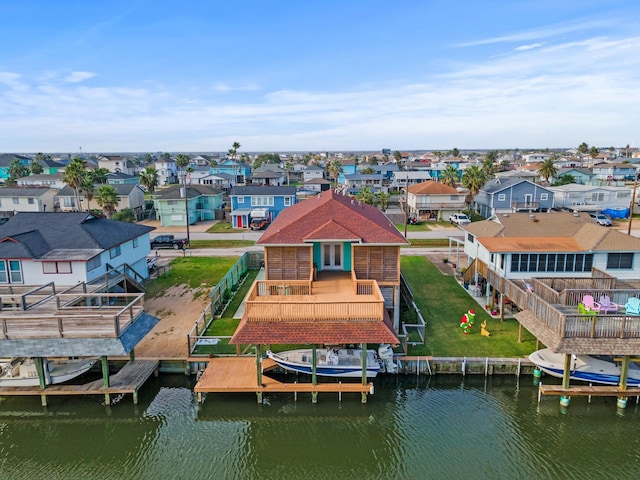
22, 371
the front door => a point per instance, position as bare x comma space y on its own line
332, 256
528, 200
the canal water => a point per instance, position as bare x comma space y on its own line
444, 427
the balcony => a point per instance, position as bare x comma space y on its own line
333, 297
517, 206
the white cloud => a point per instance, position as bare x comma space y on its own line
226, 87
529, 47
77, 77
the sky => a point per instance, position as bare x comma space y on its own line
362, 75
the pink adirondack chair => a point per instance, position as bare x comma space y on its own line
591, 304
607, 306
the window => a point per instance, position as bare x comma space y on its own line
10, 271
56, 267
502, 197
68, 202
620, 261
135, 242
172, 202
240, 199
114, 252
94, 263
544, 196
552, 262
15, 200
287, 201
262, 201
470, 238
623, 194
597, 197
31, 201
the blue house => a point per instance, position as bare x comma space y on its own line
582, 176
246, 199
512, 195
202, 202
349, 167
239, 170
6, 159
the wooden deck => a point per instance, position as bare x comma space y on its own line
129, 379
588, 391
238, 374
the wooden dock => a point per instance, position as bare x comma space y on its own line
129, 379
588, 391
239, 374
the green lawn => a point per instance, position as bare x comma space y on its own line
224, 227
442, 302
221, 243
199, 273
429, 242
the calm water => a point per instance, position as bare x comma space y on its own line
412, 428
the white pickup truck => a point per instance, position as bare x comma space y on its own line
459, 219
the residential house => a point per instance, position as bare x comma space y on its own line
240, 171
6, 159
167, 171
327, 250
385, 169
25, 199
512, 195
590, 198
614, 171
205, 160
317, 185
219, 180
202, 202
582, 176
42, 180
120, 178
247, 198
129, 196
404, 178
269, 174
311, 172
434, 200
68, 248
50, 166
535, 157
116, 164
373, 181
520, 175
349, 167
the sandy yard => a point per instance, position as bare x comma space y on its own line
178, 312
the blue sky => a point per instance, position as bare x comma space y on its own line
155, 75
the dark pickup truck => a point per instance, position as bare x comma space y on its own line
168, 241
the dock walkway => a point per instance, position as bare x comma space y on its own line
239, 374
129, 379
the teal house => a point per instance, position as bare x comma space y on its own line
6, 159
202, 202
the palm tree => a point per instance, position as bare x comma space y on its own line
288, 166
449, 176
36, 168
368, 171
583, 148
365, 195
548, 169
99, 175
455, 152
182, 162
233, 151
17, 170
149, 178
381, 199
73, 176
504, 165
88, 189
335, 169
107, 198
488, 168
473, 178
594, 152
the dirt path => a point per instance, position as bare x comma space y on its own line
178, 311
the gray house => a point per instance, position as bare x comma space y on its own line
512, 195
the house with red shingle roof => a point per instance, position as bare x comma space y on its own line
332, 276
434, 200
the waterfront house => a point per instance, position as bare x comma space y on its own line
116, 164
404, 178
317, 185
240, 171
434, 200
67, 248
583, 176
42, 180
312, 172
25, 199
614, 171
129, 196
245, 199
590, 198
512, 195
167, 171
357, 181
202, 202
219, 180
332, 276
120, 178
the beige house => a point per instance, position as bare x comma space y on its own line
434, 200
26, 199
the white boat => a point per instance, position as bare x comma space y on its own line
22, 372
585, 368
331, 362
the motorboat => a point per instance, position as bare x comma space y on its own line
603, 370
331, 362
22, 371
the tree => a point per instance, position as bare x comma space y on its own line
564, 180
548, 169
233, 151
368, 171
182, 162
365, 195
124, 215
335, 169
583, 148
382, 200
73, 176
266, 158
488, 168
107, 199
504, 165
473, 179
99, 175
149, 178
288, 166
455, 152
36, 168
17, 170
397, 156
594, 152
88, 190
449, 176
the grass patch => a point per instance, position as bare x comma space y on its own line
429, 242
197, 273
442, 302
221, 243
419, 227
224, 227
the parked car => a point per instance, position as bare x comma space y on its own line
601, 219
459, 219
168, 241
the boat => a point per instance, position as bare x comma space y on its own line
603, 370
22, 371
331, 362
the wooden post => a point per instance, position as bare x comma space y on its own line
132, 355
259, 364
501, 307
364, 363
567, 370
624, 372
41, 376
314, 375
105, 379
